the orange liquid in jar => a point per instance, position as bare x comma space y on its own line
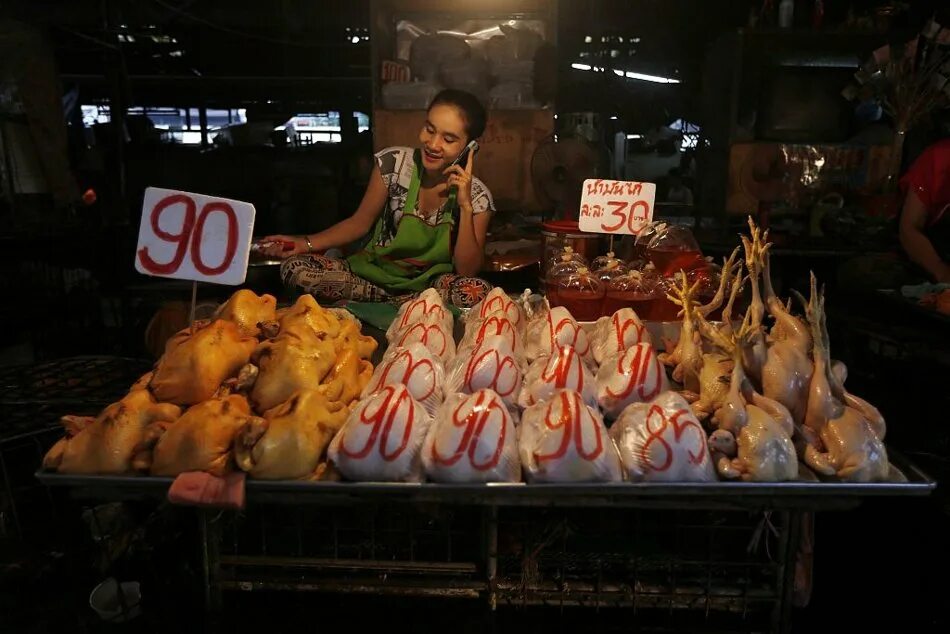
639, 302
669, 261
583, 306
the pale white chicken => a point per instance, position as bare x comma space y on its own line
428, 307
762, 427
498, 301
617, 333
564, 440
552, 327
662, 442
492, 364
472, 439
432, 332
496, 323
563, 370
840, 439
415, 367
382, 438
636, 376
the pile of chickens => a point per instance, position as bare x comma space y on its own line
525, 393
255, 388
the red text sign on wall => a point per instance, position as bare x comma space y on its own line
616, 206
194, 237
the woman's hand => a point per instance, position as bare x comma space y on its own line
462, 178
281, 246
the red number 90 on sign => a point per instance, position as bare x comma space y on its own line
195, 237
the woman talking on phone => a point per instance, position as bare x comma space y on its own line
423, 217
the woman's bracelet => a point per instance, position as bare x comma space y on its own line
309, 244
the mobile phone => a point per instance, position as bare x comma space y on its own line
462, 158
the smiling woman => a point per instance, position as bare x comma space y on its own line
423, 220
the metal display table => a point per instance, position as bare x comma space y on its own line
699, 556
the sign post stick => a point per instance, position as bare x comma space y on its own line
194, 299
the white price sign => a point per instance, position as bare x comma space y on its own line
194, 237
616, 206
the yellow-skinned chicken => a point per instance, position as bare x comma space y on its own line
201, 440
305, 315
195, 365
346, 380
108, 443
291, 362
351, 337
293, 439
247, 309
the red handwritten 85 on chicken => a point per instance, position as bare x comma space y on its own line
616, 206
194, 237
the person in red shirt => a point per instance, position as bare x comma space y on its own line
925, 219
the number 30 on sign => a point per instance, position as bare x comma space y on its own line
616, 206
194, 237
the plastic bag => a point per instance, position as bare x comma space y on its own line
564, 440
473, 439
495, 324
432, 333
492, 364
428, 306
636, 376
556, 327
663, 442
429, 53
563, 370
617, 333
382, 439
415, 367
497, 300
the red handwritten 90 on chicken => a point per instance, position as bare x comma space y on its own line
194, 237
616, 206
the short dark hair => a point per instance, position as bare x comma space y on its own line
468, 104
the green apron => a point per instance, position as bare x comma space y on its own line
417, 253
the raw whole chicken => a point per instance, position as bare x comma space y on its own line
415, 367
202, 439
428, 307
492, 364
563, 440
762, 428
291, 442
636, 376
564, 370
714, 377
756, 349
496, 323
305, 315
552, 327
431, 332
108, 444
473, 439
351, 336
382, 438
498, 301
662, 442
195, 365
291, 362
787, 369
615, 334
840, 439
246, 309
686, 356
